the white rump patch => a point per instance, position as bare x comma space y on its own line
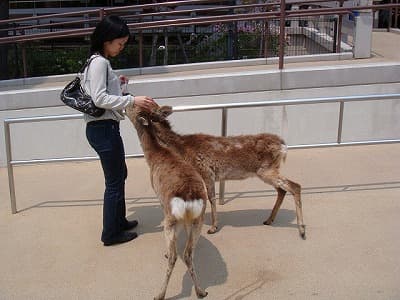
179, 207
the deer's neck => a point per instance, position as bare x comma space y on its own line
166, 135
147, 140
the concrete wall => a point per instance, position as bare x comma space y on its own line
305, 124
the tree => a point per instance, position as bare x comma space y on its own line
4, 14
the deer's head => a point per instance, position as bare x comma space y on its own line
144, 116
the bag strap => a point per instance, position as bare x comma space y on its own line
86, 64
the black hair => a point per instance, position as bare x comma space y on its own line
110, 28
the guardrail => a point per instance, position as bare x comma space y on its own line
224, 120
162, 16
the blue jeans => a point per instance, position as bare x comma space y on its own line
104, 137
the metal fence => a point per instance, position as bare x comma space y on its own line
147, 21
224, 111
186, 44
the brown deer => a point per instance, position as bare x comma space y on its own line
181, 191
234, 157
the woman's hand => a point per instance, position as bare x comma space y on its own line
123, 79
145, 102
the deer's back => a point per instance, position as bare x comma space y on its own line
174, 177
232, 157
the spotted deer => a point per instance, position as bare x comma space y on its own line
181, 191
232, 158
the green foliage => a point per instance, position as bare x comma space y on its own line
51, 61
44, 60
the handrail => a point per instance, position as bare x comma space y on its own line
224, 121
194, 21
176, 22
140, 21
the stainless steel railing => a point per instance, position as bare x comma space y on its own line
224, 120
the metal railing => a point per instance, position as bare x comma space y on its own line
162, 16
224, 120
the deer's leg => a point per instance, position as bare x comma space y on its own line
279, 200
272, 176
213, 202
188, 257
170, 236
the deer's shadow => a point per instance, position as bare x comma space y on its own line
209, 264
153, 216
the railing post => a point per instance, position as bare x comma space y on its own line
224, 121
102, 13
340, 124
24, 60
10, 167
339, 31
140, 49
335, 35
282, 34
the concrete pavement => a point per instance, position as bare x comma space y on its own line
51, 249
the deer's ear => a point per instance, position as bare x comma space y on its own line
143, 121
165, 111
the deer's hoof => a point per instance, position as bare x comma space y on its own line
159, 297
302, 231
268, 222
212, 230
201, 294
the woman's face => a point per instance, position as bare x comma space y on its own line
114, 47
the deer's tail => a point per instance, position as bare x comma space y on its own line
186, 210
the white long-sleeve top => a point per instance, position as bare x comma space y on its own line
103, 85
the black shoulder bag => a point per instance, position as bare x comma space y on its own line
73, 95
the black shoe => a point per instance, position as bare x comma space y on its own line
130, 225
123, 237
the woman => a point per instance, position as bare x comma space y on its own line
104, 86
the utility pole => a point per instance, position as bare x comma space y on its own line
4, 14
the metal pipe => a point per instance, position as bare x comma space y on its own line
10, 171
44, 118
282, 22
224, 122
339, 31
25, 68
288, 102
359, 143
65, 159
192, 21
340, 125
224, 107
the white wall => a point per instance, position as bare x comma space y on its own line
306, 124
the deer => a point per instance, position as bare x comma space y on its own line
182, 194
219, 158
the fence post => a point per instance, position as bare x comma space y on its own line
339, 30
140, 49
224, 122
282, 34
335, 35
24, 60
340, 124
10, 167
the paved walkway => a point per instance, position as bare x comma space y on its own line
51, 248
